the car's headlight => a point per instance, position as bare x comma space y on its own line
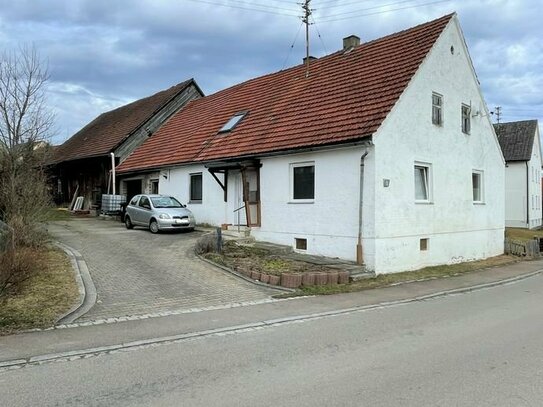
164, 216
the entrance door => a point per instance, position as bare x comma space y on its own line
133, 188
238, 213
154, 186
251, 195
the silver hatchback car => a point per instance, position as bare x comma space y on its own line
158, 212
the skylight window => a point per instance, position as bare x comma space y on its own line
233, 122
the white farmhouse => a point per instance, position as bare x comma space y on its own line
521, 147
382, 152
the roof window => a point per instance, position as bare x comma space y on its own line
233, 122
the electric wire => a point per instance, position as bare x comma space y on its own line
339, 4
325, 20
368, 8
292, 46
266, 6
213, 3
319, 35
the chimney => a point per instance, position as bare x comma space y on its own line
311, 58
350, 42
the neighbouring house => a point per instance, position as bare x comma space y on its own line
381, 152
82, 164
521, 147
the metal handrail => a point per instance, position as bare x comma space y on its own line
240, 208
239, 220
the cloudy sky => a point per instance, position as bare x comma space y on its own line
106, 53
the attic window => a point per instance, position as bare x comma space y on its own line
233, 122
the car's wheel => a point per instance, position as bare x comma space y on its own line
128, 222
153, 226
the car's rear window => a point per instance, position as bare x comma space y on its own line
166, 202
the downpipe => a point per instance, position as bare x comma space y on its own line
113, 172
359, 249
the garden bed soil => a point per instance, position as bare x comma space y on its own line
263, 265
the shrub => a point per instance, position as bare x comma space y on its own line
206, 244
16, 267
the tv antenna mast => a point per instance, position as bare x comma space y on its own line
498, 114
305, 19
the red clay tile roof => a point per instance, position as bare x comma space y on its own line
345, 98
108, 130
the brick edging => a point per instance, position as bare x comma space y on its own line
243, 277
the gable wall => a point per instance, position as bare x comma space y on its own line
457, 229
534, 185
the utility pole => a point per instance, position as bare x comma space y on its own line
305, 20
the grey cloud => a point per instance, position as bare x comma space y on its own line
105, 53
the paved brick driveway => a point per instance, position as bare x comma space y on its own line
137, 273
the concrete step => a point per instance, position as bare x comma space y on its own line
273, 248
237, 231
361, 275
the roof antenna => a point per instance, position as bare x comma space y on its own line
305, 20
498, 114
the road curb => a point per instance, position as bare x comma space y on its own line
87, 290
140, 344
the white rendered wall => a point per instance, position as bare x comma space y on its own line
515, 195
330, 222
176, 182
523, 191
457, 229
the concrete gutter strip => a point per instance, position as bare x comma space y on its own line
18, 363
87, 290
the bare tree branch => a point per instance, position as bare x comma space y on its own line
23, 114
25, 126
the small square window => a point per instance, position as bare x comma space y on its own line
303, 181
466, 119
424, 244
300, 244
437, 109
195, 187
477, 186
422, 183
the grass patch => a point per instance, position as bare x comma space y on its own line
41, 299
409, 276
58, 214
522, 234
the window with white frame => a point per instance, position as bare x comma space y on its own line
437, 109
302, 181
466, 119
477, 186
422, 182
195, 193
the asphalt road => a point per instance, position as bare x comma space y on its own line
483, 348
